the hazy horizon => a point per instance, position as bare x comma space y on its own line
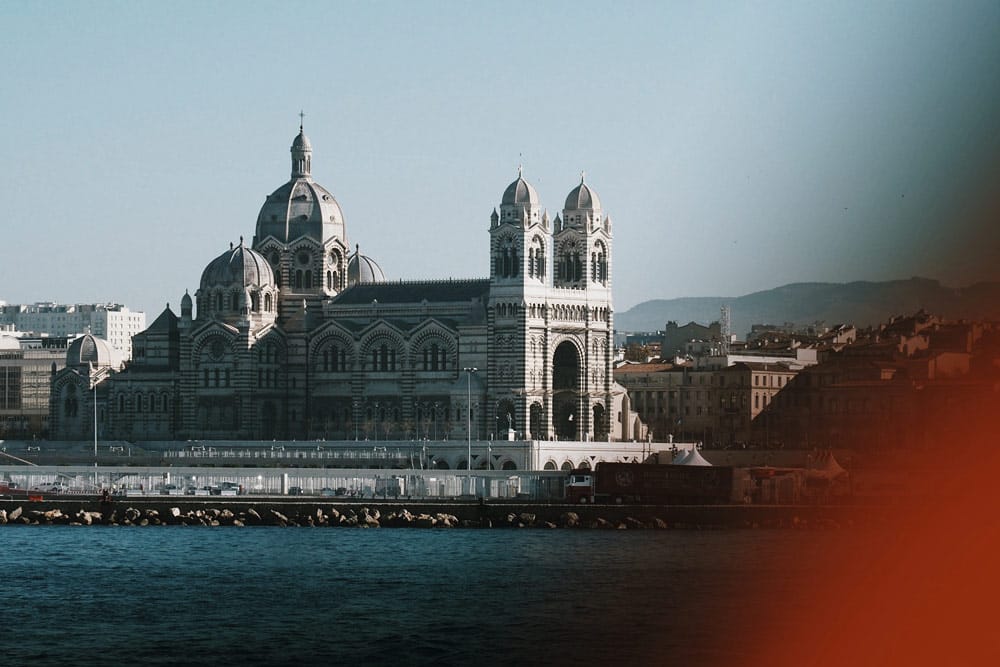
736, 147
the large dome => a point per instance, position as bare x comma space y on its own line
301, 207
520, 192
582, 198
238, 267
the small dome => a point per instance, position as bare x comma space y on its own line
363, 269
301, 142
520, 192
582, 198
238, 267
89, 349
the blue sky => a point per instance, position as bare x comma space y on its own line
737, 146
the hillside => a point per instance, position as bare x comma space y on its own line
860, 303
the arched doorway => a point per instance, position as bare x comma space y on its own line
537, 432
565, 385
600, 423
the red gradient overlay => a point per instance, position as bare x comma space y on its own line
919, 583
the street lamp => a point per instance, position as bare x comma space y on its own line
469, 370
94, 386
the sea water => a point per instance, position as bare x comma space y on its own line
268, 595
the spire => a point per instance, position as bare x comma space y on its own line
583, 177
301, 153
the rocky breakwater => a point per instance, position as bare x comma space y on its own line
285, 512
360, 517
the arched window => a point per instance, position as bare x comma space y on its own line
71, 404
308, 279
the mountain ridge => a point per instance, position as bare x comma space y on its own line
862, 303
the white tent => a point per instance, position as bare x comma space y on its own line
681, 457
694, 458
824, 466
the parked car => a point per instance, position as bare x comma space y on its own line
295, 490
50, 487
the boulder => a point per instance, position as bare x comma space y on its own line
633, 524
238, 523
3, 517
252, 513
657, 523
601, 522
569, 519
15, 514
175, 512
527, 518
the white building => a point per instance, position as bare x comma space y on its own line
113, 322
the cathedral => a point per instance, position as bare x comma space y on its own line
298, 336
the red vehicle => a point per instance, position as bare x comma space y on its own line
655, 483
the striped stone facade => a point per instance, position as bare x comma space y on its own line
294, 338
